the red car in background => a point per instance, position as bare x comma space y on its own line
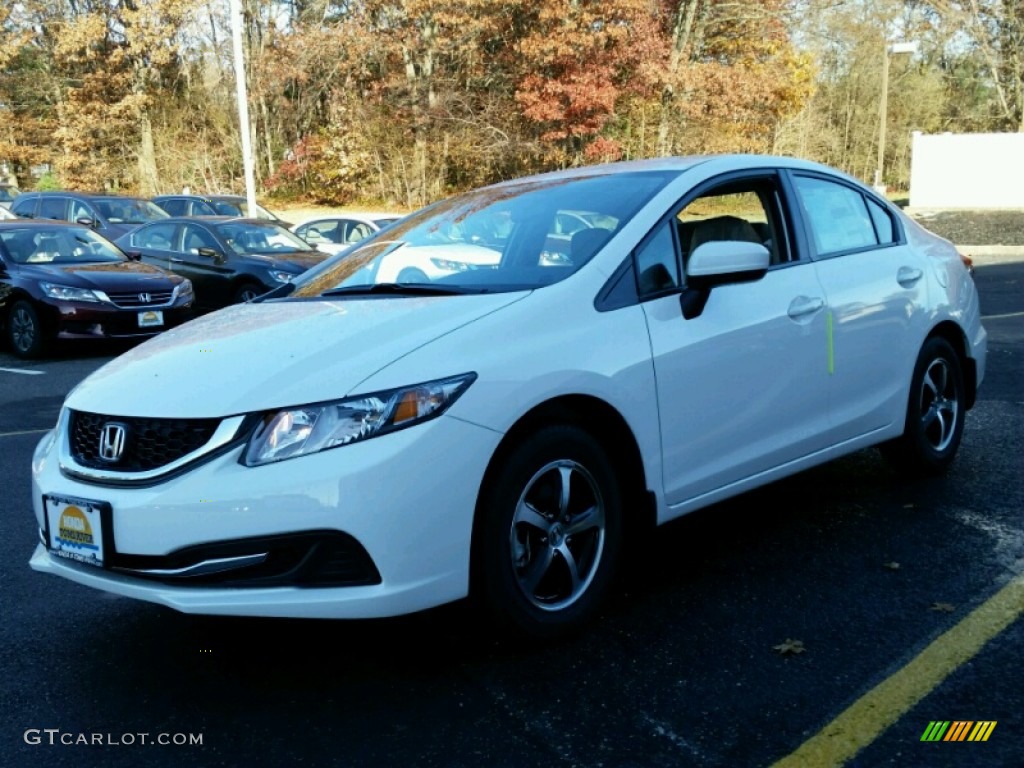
60, 280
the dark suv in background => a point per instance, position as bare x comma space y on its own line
110, 215
214, 205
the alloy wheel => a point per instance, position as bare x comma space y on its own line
557, 535
23, 329
939, 405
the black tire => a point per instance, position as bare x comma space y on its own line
25, 330
521, 574
412, 275
935, 413
247, 292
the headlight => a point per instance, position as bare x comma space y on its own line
307, 429
451, 266
282, 277
67, 293
184, 289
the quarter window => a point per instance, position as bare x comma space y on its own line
883, 223
25, 207
657, 268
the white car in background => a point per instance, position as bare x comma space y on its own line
5, 213
352, 445
338, 233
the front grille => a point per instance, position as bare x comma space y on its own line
138, 299
148, 443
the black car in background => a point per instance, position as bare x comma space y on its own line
228, 260
60, 280
110, 215
214, 205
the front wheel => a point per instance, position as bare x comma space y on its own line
25, 331
247, 292
935, 412
549, 533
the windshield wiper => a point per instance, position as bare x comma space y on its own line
398, 289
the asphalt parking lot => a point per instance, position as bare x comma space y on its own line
905, 598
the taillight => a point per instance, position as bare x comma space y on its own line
968, 262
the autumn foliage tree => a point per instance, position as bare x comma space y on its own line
405, 101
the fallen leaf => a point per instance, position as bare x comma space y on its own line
893, 566
943, 607
790, 646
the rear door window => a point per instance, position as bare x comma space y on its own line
838, 216
53, 208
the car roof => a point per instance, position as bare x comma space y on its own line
40, 224
82, 195
723, 162
211, 220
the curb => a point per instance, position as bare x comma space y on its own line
992, 254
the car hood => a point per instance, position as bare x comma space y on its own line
258, 356
110, 276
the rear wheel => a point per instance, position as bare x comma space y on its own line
935, 412
549, 534
25, 331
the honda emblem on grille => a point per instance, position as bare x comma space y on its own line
112, 441
145, 298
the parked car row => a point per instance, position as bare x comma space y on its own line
75, 265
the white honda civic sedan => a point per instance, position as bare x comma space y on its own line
354, 446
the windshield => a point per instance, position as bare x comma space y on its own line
502, 238
261, 239
56, 245
118, 210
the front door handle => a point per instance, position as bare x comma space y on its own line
907, 276
803, 306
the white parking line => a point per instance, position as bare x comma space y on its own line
23, 370
25, 432
1002, 317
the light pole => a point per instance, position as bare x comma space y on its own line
242, 96
883, 107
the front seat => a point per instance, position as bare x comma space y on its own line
724, 228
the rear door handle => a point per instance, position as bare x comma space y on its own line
803, 306
907, 276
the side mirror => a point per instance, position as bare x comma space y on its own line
720, 262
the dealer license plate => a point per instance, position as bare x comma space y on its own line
151, 318
76, 528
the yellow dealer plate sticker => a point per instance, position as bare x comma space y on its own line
76, 529
150, 319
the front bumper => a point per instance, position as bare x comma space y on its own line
77, 321
407, 498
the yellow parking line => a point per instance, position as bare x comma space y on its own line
865, 719
25, 432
